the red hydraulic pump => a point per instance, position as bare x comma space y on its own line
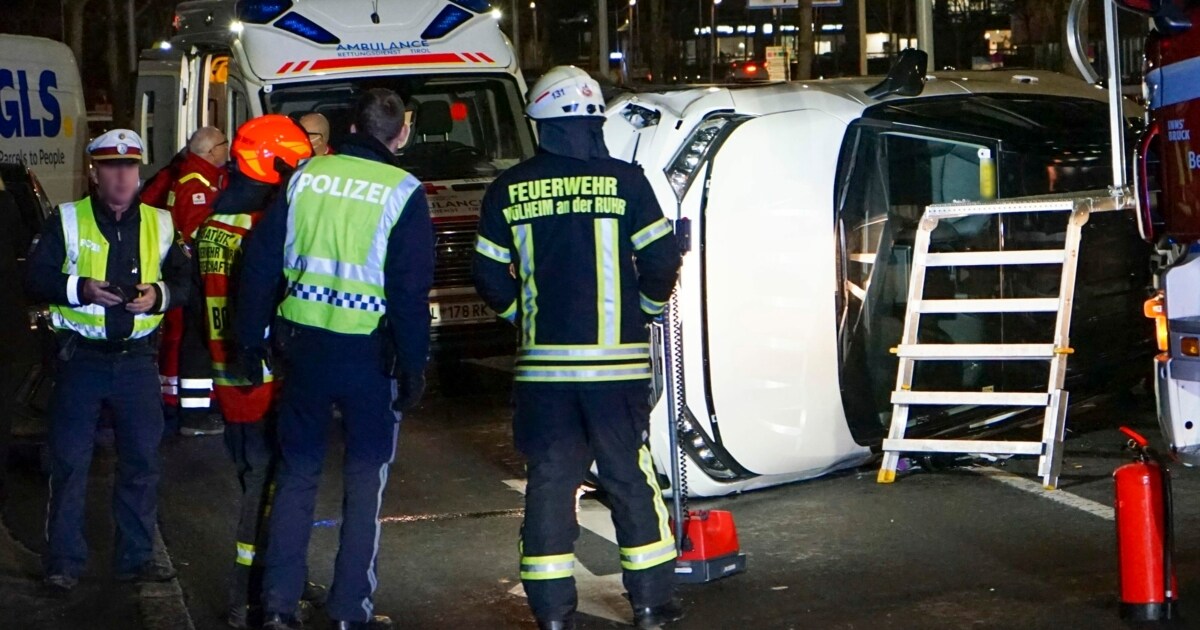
1145, 534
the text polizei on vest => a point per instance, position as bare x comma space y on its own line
348, 188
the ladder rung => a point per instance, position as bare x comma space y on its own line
999, 447
979, 259
1003, 399
976, 351
1003, 305
943, 211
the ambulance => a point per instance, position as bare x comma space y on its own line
43, 121
448, 59
797, 204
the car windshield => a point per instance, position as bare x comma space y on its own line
463, 126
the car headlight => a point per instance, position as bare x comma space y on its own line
682, 169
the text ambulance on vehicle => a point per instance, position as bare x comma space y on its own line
43, 121
229, 62
798, 205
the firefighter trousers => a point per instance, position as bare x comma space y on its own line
252, 449
562, 432
324, 370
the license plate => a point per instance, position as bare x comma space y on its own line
443, 313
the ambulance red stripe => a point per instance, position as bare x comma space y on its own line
284, 68
389, 60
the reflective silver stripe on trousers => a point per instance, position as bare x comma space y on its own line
548, 568
535, 353
639, 558
583, 373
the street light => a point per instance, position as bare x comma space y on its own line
537, 50
712, 32
632, 56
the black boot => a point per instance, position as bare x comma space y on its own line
276, 621
378, 622
151, 571
654, 617
557, 624
315, 594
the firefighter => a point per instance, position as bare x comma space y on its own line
354, 241
109, 267
185, 372
265, 150
573, 248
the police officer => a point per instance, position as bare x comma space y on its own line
574, 249
266, 150
109, 267
353, 239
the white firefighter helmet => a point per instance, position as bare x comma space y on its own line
565, 91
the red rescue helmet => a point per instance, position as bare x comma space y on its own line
260, 141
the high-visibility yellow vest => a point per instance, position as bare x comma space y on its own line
87, 257
342, 210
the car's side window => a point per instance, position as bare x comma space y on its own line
894, 176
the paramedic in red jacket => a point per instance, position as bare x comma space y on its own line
183, 360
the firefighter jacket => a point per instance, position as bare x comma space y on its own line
218, 251
576, 253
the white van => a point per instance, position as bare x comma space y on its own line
447, 58
799, 203
43, 120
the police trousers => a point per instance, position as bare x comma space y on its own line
128, 384
324, 370
561, 432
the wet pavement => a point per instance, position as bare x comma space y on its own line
976, 547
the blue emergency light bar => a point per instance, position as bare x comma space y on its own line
261, 11
297, 24
448, 19
478, 6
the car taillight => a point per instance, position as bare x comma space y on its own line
751, 69
1154, 309
1190, 346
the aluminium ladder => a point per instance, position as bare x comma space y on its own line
910, 351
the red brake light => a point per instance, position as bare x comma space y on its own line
458, 111
751, 68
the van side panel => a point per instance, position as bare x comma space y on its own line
43, 120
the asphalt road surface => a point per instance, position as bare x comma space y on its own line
979, 546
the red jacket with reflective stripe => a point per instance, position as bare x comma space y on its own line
192, 195
218, 251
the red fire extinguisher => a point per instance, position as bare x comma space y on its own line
1145, 534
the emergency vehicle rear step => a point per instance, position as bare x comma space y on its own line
910, 350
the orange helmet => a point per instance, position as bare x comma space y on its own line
260, 141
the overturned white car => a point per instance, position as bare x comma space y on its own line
797, 205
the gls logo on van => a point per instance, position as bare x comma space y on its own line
16, 115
